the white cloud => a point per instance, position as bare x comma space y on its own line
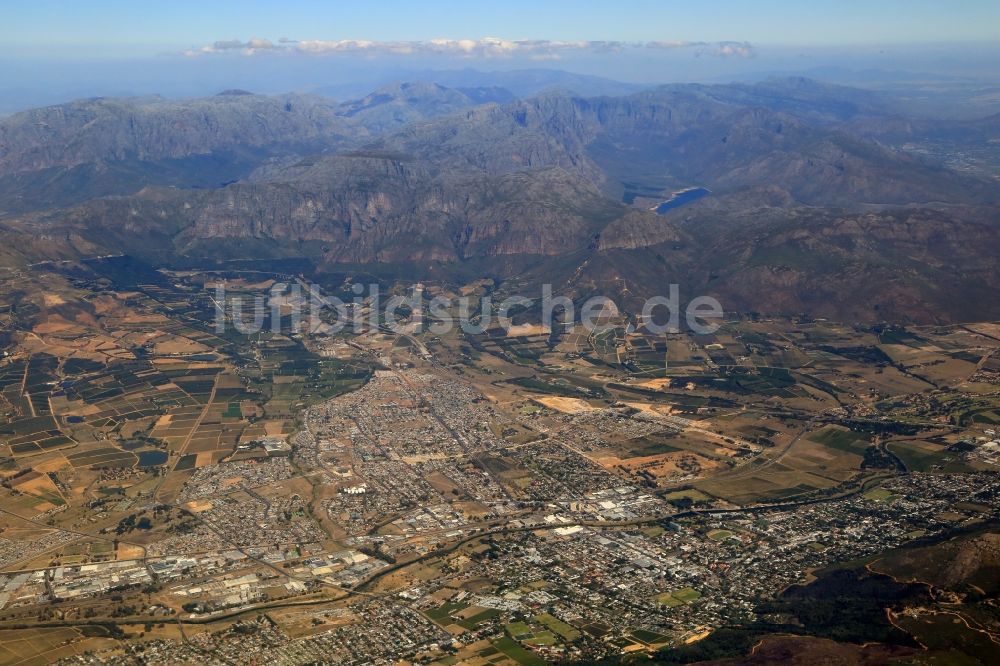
721, 49
671, 44
486, 47
730, 49
252, 46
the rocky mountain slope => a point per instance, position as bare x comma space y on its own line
61, 155
807, 212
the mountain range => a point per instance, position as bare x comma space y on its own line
817, 199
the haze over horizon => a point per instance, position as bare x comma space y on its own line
56, 51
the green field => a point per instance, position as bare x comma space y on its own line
687, 595
878, 494
518, 630
558, 626
678, 597
445, 611
921, 457
477, 619
720, 535
542, 638
512, 649
669, 600
847, 441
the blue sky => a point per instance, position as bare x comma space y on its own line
116, 28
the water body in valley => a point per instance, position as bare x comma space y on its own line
678, 199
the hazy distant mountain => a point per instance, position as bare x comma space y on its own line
804, 98
914, 93
402, 103
520, 82
106, 130
64, 154
681, 136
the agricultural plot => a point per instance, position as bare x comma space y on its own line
565, 631
608, 347
841, 439
649, 354
926, 456
160, 392
291, 377
775, 482
927, 360
570, 387
40, 646
120, 393
176, 427
687, 494
819, 459
647, 637
103, 457
664, 456
40, 376
526, 349
40, 486
518, 653
41, 436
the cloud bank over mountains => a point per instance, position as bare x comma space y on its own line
486, 47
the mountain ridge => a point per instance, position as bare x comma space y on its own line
561, 182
